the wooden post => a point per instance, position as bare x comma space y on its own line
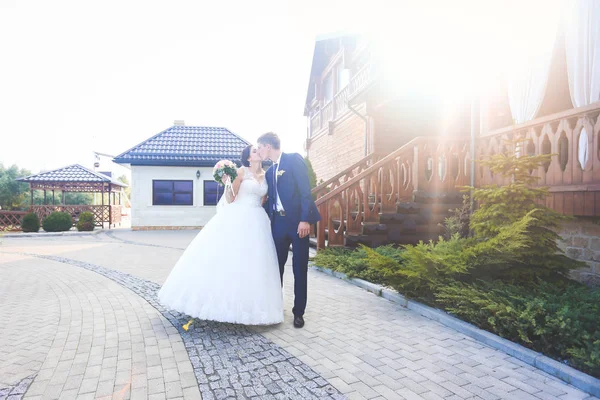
45, 201
31, 193
52, 196
63, 197
109, 207
102, 210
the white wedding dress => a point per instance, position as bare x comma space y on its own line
230, 272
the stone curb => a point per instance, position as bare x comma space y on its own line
570, 375
49, 234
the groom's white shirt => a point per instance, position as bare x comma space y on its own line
279, 205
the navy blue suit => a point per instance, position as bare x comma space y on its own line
294, 192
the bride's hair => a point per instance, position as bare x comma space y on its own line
245, 155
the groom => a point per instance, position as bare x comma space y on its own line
291, 209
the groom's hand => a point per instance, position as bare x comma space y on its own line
303, 229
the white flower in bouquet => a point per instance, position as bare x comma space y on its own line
224, 171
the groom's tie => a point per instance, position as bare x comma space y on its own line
275, 188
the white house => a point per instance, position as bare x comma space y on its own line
172, 185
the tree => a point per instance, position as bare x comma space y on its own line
312, 177
79, 198
123, 178
13, 195
503, 206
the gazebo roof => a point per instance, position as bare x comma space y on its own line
73, 178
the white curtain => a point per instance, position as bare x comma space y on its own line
527, 74
582, 42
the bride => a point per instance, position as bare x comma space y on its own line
230, 272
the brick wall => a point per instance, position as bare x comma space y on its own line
582, 242
331, 154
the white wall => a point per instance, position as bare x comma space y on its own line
144, 214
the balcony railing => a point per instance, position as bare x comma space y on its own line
339, 104
573, 175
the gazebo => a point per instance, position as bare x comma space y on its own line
76, 178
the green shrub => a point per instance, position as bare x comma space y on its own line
558, 319
85, 222
58, 222
30, 223
501, 206
458, 223
357, 263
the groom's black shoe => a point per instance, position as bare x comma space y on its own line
298, 321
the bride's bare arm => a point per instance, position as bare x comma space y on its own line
237, 182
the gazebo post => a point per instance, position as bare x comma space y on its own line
109, 206
102, 194
63, 197
45, 201
52, 196
31, 193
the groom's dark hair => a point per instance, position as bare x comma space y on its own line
270, 138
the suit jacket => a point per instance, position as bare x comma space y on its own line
293, 188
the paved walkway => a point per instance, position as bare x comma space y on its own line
80, 320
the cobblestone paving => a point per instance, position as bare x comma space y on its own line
18, 390
108, 343
229, 361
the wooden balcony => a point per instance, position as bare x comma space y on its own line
336, 107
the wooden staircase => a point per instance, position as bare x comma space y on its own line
401, 198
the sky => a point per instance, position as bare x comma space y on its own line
82, 76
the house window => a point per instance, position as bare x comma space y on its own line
172, 193
212, 193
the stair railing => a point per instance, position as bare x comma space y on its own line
358, 195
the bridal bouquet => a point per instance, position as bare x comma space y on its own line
224, 171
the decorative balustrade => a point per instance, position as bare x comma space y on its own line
11, 220
573, 174
102, 213
359, 194
339, 104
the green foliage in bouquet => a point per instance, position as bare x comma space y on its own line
223, 169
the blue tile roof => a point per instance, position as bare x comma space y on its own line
71, 173
186, 145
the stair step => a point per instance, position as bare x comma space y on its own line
428, 197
